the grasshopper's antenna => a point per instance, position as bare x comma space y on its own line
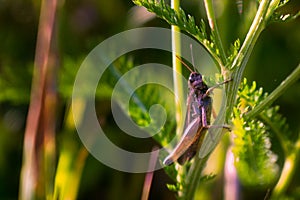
184, 63
192, 55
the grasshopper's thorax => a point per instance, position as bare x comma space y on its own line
196, 82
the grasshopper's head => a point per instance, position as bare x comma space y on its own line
196, 81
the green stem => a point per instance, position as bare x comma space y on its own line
194, 177
273, 5
242, 57
214, 28
290, 80
178, 85
288, 171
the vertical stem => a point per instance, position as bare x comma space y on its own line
214, 28
149, 176
178, 86
194, 176
242, 57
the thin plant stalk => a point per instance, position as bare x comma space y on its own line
288, 171
243, 55
290, 80
149, 176
194, 177
29, 172
214, 28
178, 85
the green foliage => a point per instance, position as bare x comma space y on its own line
233, 51
178, 174
15, 89
277, 124
82, 25
254, 160
140, 102
67, 76
184, 22
173, 188
68, 71
149, 95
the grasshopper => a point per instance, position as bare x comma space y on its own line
197, 121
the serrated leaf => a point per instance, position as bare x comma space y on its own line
254, 160
183, 21
172, 187
233, 51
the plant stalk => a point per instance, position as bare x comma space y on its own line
244, 53
290, 80
31, 178
178, 85
214, 28
194, 176
198, 165
288, 171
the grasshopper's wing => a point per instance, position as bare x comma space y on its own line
189, 138
191, 105
191, 130
203, 113
194, 147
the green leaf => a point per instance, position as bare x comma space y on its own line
184, 22
233, 51
254, 159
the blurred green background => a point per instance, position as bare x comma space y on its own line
81, 25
